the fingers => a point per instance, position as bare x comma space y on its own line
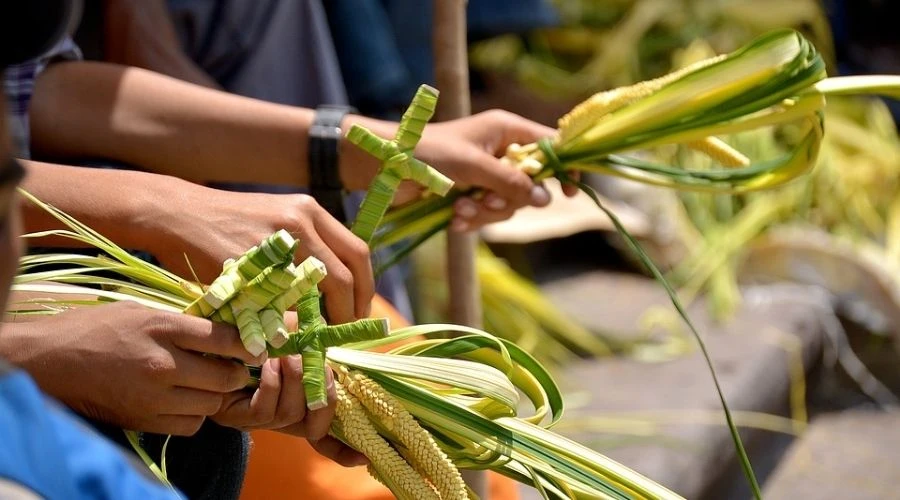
515, 187
337, 451
471, 214
518, 129
175, 425
337, 287
279, 401
292, 399
354, 253
349, 285
508, 188
290, 320
196, 371
201, 335
571, 189
183, 401
317, 423
261, 408
243, 410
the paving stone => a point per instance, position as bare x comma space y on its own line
695, 460
850, 455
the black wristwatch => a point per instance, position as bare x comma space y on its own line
324, 177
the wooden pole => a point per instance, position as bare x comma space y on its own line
451, 72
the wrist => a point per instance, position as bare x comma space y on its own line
159, 213
33, 347
358, 168
325, 181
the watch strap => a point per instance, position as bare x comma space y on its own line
324, 176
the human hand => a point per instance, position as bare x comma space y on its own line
132, 366
279, 403
467, 151
208, 226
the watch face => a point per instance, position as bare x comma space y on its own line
325, 131
29, 28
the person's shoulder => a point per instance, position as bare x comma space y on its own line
10, 487
50, 453
29, 464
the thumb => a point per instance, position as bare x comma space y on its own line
518, 130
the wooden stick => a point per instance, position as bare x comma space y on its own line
451, 72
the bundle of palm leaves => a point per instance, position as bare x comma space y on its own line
600, 44
428, 407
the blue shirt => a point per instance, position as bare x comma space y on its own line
47, 451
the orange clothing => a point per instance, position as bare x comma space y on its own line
287, 467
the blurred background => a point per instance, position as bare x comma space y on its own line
796, 291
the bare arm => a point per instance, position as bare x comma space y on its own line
100, 110
174, 219
121, 205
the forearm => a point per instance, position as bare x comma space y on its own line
97, 110
126, 207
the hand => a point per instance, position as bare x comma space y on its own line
131, 366
279, 403
466, 150
209, 226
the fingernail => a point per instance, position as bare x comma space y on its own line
262, 358
496, 203
539, 196
329, 379
459, 226
466, 209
